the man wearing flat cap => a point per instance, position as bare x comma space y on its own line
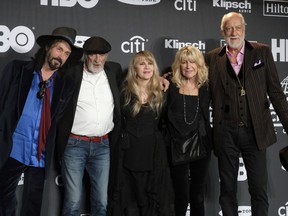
87, 135
33, 95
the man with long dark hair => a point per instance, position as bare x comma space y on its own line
33, 95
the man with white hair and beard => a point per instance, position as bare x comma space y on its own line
242, 74
87, 135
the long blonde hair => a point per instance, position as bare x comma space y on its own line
132, 89
193, 54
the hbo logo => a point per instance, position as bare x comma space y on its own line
21, 39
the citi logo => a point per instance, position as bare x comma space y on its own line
283, 210
242, 211
184, 5
176, 44
70, 3
279, 48
243, 7
140, 2
275, 8
21, 39
134, 45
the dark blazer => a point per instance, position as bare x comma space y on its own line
261, 80
15, 83
114, 73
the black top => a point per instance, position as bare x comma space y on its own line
141, 129
177, 114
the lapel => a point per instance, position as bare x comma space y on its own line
26, 77
113, 85
56, 94
77, 74
248, 59
221, 63
248, 62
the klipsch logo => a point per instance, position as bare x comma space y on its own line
275, 8
243, 7
69, 3
140, 2
21, 39
176, 44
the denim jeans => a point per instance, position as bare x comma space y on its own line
95, 158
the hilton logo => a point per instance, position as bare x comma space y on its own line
275, 8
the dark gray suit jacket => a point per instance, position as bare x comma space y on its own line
261, 80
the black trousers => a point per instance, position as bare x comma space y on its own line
189, 183
236, 141
33, 189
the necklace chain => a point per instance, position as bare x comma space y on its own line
242, 90
196, 113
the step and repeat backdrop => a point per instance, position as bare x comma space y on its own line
161, 26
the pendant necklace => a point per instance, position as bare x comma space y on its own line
196, 113
242, 89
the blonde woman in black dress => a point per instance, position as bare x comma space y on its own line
188, 110
145, 171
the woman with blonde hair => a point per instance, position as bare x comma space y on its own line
144, 168
187, 113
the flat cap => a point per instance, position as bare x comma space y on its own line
96, 45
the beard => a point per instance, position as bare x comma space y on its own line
94, 68
54, 63
235, 44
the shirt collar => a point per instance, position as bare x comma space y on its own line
228, 53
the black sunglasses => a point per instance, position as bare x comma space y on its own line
42, 88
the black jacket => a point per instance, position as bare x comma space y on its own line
15, 82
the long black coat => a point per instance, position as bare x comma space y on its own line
15, 82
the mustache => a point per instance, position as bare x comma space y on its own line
234, 37
57, 59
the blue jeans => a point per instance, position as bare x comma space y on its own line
95, 158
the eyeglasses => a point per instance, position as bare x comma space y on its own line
42, 88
